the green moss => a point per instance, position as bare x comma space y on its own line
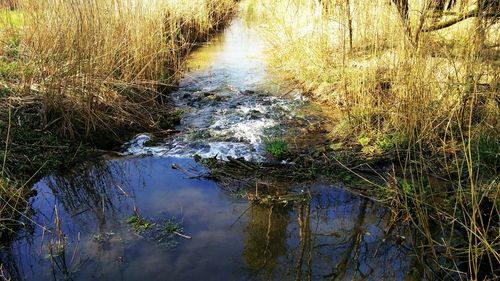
152, 142
171, 119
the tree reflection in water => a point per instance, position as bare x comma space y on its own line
266, 239
334, 236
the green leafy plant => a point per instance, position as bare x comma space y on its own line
336, 146
364, 141
384, 144
140, 223
406, 186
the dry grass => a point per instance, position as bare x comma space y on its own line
12, 200
432, 96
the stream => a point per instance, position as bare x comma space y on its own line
154, 214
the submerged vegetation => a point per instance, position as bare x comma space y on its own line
164, 232
419, 78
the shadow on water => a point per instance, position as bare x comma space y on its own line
335, 235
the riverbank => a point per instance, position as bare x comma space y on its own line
420, 82
69, 90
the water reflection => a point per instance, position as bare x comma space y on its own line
334, 236
94, 190
265, 239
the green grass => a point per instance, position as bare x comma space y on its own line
8, 70
277, 148
11, 19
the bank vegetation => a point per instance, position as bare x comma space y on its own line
419, 80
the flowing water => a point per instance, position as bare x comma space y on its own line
154, 215
232, 104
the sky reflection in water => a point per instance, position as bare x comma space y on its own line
336, 235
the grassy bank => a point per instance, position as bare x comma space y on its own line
100, 67
420, 81
80, 75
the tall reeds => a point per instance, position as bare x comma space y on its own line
98, 65
90, 71
419, 79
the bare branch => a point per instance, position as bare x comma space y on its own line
448, 23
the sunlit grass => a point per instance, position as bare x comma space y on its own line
437, 91
99, 65
11, 18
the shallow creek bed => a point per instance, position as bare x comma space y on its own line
222, 199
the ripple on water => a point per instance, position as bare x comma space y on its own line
236, 126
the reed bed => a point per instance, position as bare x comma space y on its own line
77, 74
403, 83
101, 65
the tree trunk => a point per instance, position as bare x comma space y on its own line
404, 12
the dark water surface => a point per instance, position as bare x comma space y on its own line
80, 225
334, 235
